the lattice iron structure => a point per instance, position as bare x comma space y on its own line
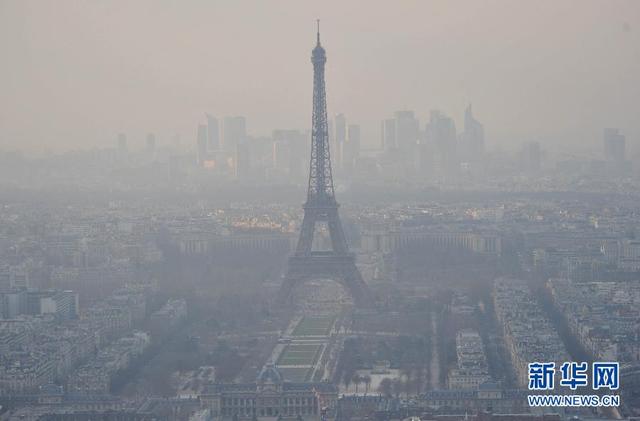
320, 177
321, 206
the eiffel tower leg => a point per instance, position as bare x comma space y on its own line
305, 241
338, 240
341, 269
357, 287
286, 291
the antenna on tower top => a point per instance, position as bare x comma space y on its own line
318, 25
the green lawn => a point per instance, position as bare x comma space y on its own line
298, 354
295, 374
314, 326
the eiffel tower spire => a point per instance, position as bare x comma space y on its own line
320, 177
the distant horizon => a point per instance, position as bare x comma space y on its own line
136, 143
78, 74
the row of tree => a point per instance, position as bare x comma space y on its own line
357, 380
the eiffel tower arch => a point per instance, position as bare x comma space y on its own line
321, 206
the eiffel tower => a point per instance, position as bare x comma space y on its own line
321, 206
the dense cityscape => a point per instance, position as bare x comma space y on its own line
178, 277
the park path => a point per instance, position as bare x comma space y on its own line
434, 364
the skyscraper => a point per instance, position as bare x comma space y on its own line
351, 148
201, 141
389, 134
614, 146
289, 150
234, 131
407, 129
472, 139
281, 155
213, 133
242, 163
532, 157
440, 132
340, 138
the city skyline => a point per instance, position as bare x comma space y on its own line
134, 75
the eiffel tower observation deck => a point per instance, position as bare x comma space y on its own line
337, 264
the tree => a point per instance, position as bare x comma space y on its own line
356, 379
367, 383
385, 387
346, 379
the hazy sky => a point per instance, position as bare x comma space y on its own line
78, 72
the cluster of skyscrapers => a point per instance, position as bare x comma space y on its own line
435, 147
229, 151
435, 152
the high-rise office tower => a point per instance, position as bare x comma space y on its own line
351, 148
340, 138
472, 139
614, 145
407, 130
234, 131
281, 156
532, 157
331, 133
213, 133
201, 142
289, 151
388, 130
242, 162
440, 133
